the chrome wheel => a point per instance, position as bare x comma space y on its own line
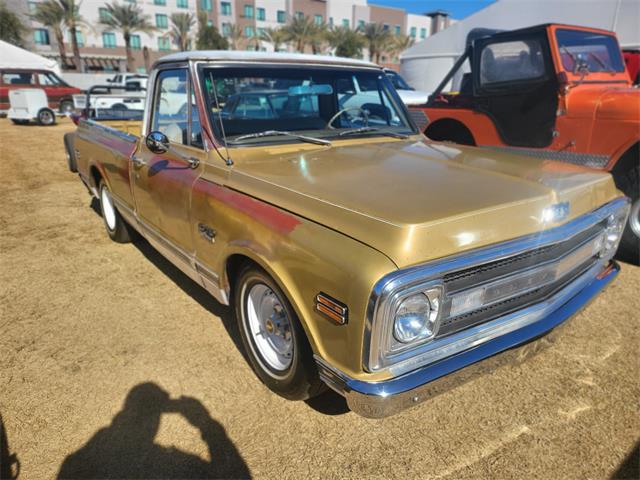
46, 117
634, 218
268, 327
107, 208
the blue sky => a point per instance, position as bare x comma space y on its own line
457, 8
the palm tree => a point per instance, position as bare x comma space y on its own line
274, 36
73, 20
50, 14
208, 37
301, 32
234, 36
11, 27
376, 38
347, 42
181, 24
318, 37
400, 43
128, 19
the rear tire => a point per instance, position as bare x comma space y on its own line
116, 226
46, 117
66, 107
629, 183
273, 337
71, 158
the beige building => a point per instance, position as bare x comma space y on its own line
103, 50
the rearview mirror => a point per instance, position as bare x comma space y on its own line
157, 142
318, 89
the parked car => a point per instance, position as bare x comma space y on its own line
632, 61
409, 95
121, 79
552, 91
356, 255
30, 104
59, 93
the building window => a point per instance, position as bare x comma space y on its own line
104, 14
261, 14
32, 7
249, 32
300, 15
413, 32
209, 23
182, 3
79, 38
398, 31
226, 29
361, 24
386, 27
134, 41
261, 32
423, 33
162, 3
41, 36
345, 22
108, 40
206, 5
282, 16
248, 11
164, 44
225, 8
317, 19
161, 20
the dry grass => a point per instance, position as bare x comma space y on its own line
86, 323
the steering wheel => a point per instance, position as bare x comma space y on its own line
364, 116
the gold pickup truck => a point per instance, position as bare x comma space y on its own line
356, 253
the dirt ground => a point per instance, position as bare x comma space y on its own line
114, 364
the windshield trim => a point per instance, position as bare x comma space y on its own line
202, 65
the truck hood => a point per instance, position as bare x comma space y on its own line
413, 97
416, 201
619, 103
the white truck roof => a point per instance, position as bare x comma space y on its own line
250, 56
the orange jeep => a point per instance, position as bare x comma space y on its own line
557, 92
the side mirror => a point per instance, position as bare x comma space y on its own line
157, 142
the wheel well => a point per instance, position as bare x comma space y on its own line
95, 176
448, 129
235, 263
627, 161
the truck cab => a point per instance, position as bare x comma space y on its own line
551, 91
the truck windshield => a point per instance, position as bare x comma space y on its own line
316, 102
595, 51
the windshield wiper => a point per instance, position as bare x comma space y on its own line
373, 130
282, 133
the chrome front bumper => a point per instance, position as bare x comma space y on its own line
382, 399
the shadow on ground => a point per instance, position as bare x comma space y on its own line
9, 463
329, 403
126, 448
630, 467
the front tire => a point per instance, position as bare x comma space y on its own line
46, 117
116, 226
629, 249
273, 338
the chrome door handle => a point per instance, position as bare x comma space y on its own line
193, 162
138, 162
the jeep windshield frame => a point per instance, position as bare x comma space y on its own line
300, 99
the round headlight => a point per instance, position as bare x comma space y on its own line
413, 319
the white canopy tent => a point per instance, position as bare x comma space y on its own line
16, 57
425, 64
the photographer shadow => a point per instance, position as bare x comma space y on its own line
126, 448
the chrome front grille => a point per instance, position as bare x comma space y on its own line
521, 280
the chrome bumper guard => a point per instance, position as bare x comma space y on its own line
385, 398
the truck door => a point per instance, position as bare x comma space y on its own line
162, 180
515, 85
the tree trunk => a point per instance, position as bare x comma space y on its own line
61, 48
147, 59
76, 51
129, 54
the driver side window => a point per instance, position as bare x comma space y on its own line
170, 107
511, 61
